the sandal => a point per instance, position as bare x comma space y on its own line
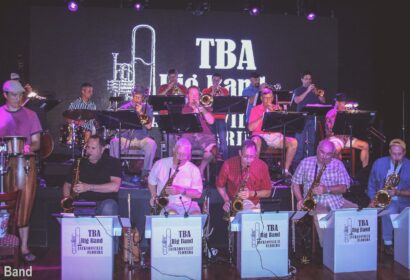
29, 257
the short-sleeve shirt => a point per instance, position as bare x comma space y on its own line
80, 104
231, 175
311, 98
188, 176
256, 113
98, 173
182, 89
205, 126
22, 122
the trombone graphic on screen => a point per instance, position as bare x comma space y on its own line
348, 230
166, 241
255, 234
124, 74
75, 240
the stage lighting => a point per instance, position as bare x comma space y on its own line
72, 6
311, 16
198, 7
254, 7
138, 6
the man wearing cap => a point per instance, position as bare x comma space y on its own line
137, 138
19, 121
343, 141
400, 195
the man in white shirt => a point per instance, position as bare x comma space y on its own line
186, 183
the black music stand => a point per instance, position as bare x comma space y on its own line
173, 103
121, 119
283, 122
353, 123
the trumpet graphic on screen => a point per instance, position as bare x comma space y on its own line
166, 241
124, 74
75, 240
348, 230
255, 235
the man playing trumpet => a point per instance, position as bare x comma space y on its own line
172, 87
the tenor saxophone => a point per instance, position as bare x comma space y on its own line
383, 198
309, 203
237, 203
67, 203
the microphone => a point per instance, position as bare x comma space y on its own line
183, 205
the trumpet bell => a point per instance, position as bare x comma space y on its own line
206, 100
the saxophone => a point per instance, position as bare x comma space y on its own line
237, 203
309, 203
162, 200
67, 203
144, 118
382, 198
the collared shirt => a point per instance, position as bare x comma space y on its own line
205, 126
188, 176
256, 113
334, 174
250, 91
22, 122
182, 90
311, 98
231, 177
80, 104
137, 133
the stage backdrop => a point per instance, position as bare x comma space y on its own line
99, 46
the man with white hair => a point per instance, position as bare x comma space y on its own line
185, 185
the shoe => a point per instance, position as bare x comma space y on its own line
389, 250
28, 257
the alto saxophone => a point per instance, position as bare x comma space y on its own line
67, 203
237, 203
383, 198
162, 200
309, 203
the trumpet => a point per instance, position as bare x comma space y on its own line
383, 198
206, 100
319, 92
175, 89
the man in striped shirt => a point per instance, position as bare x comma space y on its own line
84, 102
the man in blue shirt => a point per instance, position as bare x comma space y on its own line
400, 195
252, 93
307, 94
137, 138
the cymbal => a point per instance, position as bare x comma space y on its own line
79, 114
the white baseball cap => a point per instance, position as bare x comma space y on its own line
12, 86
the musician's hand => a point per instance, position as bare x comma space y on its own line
79, 122
227, 206
26, 149
299, 205
372, 204
319, 190
311, 88
28, 88
138, 108
152, 201
392, 192
82, 187
173, 190
244, 194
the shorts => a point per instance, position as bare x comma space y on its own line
201, 141
273, 139
341, 141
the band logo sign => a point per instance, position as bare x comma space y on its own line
178, 242
357, 231
90, 242
269, 236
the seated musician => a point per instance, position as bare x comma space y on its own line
271, 139
205, 140
16, 120
137, 138
84, 102
172, 87
343, 141
244, 170
183, 177
332, 182
400, 194
219, 126
99, 178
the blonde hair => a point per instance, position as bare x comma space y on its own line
397, 142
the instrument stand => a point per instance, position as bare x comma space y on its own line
73, 146
209, 255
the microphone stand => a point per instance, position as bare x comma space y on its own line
403, 127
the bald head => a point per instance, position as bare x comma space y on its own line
325, 151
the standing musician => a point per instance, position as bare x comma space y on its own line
303, 95
138, 138
19, 121
232, 175
342, 141
84, 102
334, 181
185, 186
219, 127
400, 195
251, 92
99, 178
272, 139
204, 140
172, 87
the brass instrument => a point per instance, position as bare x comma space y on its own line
162, 200
237, 202
309, 203
175, 89
67, 203
319, 92
383, 198
144, 119
206, 100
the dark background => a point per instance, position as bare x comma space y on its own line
372, 52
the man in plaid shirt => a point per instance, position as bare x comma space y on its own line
334, 182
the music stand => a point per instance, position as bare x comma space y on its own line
282, 122
121, 119
173, 103
355, 123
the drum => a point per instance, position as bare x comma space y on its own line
71, 134
22, 175
46, 145
14, 145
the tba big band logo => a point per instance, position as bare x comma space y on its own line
357, 231
181, 244
265, 239
91, 243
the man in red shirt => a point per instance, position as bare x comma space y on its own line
172, 87
271, 139
219, 127
245, 169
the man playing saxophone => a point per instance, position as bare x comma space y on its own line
382, 168
244, 170
186, 184
328, 189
